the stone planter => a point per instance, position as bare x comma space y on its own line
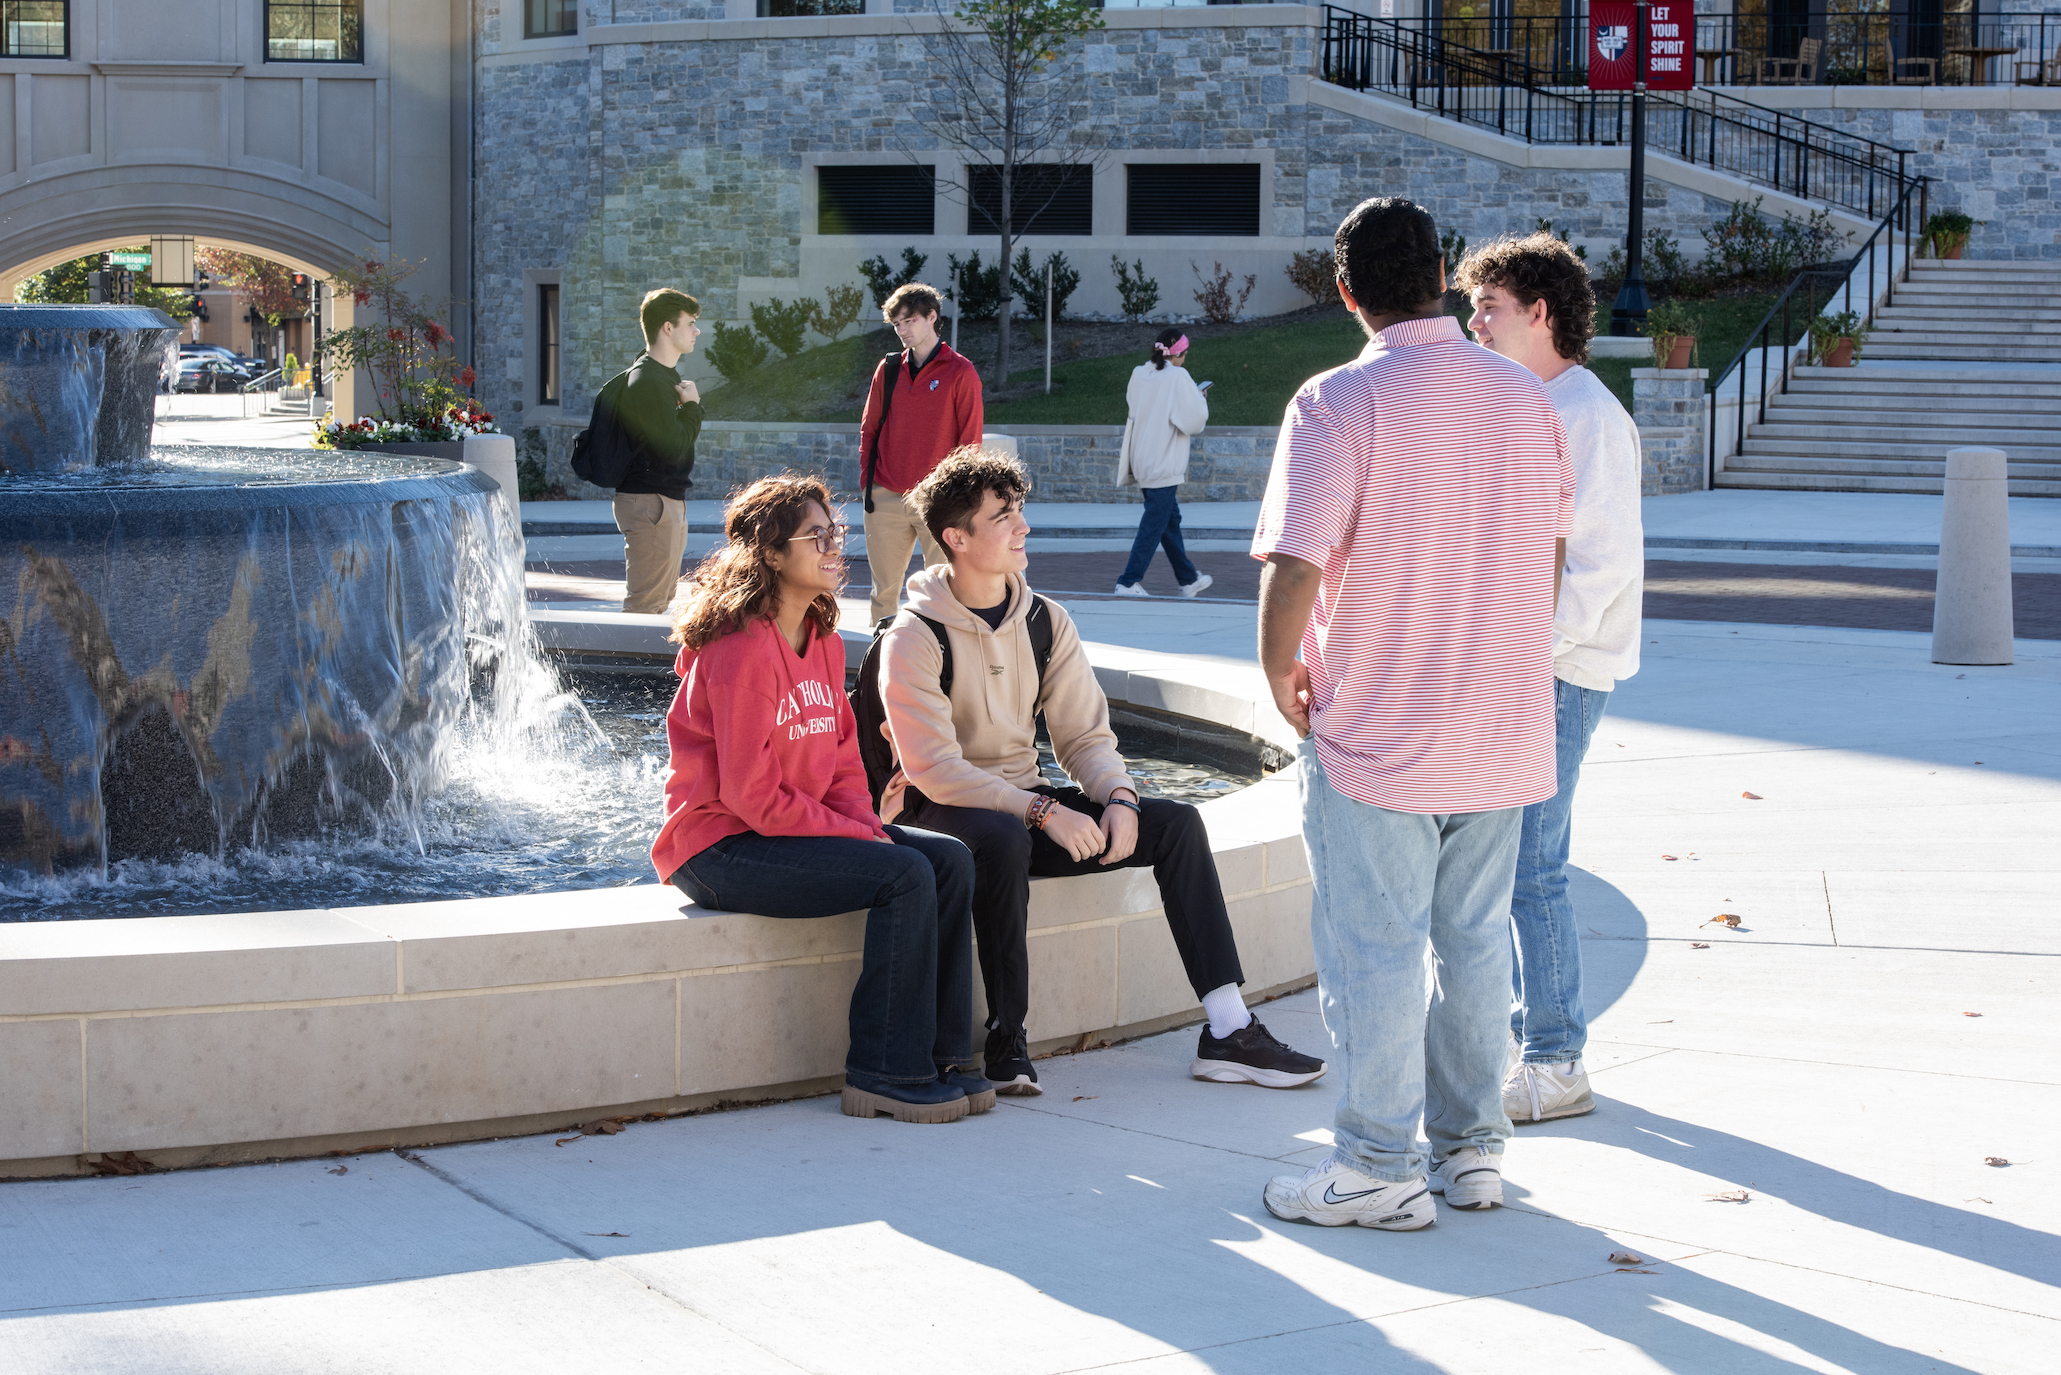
492, 454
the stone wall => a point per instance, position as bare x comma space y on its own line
1672, 413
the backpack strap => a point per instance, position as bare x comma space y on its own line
944, 644
1039, 623
871, 458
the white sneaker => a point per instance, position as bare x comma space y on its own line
1540, 1093
1136, 589
1471, 1178
1333, 1194
1513, 1054
1196, 588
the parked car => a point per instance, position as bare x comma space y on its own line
208, 374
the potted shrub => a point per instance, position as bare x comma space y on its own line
1947, 231
1672, 328
1836, 339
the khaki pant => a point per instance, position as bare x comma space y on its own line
892, 530
654, 542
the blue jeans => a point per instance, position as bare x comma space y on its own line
1159, 526
1400, 896
1546, 1012
912, 1012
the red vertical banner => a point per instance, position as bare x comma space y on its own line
1670, 51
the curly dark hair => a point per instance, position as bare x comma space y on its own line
1539, 267
1388, 255
952, 495
735, 586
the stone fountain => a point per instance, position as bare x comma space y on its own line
202, 649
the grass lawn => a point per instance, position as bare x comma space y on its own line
1724, 325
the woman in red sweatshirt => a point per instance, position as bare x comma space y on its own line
767, 809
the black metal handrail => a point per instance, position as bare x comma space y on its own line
1504, 92
1906, 217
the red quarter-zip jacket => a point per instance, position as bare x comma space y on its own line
762, 740
933, 413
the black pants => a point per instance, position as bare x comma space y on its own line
1171, 839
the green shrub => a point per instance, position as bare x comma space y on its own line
840, 309
1828, 329
1028, 283
882, 279
737, 352
981, 286
785, 325
1138, 292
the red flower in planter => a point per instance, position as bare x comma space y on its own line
435, 334
466, 377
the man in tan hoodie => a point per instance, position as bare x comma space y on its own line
968, 767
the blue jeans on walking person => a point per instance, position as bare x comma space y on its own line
1159, 527
1546, 1013
1417, 1039
912, 1011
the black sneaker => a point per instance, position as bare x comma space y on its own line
1009, 1066
980, 1094
1251, 1056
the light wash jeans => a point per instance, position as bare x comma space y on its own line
1546, 1012
1401, 896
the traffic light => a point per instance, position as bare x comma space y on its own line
300, 286
200, 309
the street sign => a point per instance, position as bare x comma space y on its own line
1670, 30
135, 262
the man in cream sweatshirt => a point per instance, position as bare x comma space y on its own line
1534, 305
968, 767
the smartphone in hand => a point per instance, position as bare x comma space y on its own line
1204, 386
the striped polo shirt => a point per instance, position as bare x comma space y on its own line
1428, 478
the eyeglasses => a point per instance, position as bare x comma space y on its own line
828, 538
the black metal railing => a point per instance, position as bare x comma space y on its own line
1766, 356
1506, 93
1739, 49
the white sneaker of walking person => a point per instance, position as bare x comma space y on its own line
1131, 589
1333, 1194
1540, 1093
1198, 587
1469, 1178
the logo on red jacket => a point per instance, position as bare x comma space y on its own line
933, 383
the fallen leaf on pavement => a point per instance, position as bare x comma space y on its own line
1667, 856
1977, 1199
123, 1162
1667, 1022
1086, 1096
1725, 919
1971, 1014
1751, 797
1731, 1196
608, 1234
341, 1169
1997, 1161
1626, 1258
1699, 945
1622, 1270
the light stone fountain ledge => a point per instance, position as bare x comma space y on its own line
199, 1040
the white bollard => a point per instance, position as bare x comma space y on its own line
989, 439
1971, 608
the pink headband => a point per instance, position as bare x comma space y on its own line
1179, 345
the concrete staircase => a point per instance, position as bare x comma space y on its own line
1885, 426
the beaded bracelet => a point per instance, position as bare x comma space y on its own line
1034, 818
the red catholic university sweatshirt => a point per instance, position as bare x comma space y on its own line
933, 413
762, 740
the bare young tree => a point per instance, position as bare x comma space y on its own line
999, 92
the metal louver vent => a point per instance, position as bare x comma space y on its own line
1045, 198
894, 199
1192, 199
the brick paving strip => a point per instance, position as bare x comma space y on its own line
1829, 595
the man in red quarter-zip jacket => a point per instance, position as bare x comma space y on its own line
932, 409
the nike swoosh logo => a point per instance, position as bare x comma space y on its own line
1331, 1194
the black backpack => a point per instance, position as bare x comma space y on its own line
870, 460
870, 712
603, 453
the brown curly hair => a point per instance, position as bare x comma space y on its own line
1539, 266
958, 487
735, 585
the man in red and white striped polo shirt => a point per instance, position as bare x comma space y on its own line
1413, 533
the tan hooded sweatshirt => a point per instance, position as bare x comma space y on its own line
978, 749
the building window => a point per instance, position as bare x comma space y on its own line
1195, 199
797, 9
1045, 198
550, 18
313, 31
547, 344
893, 199
35, 28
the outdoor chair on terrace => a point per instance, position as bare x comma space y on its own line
1915, 71
2032, 71
1800, 70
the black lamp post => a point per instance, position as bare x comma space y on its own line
1628, 312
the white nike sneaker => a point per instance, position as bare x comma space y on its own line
1471, 1178
1131, 589
1540, 1093
1333, 1194
1198, 587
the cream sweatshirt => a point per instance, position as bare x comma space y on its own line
1596, 626
978, 749
1167, 408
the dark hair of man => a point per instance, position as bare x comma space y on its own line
1388, 256
735, 586
662, 307
1534, 268
913, 297
1166, 340
958, 487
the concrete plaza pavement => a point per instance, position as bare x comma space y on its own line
1792, 1133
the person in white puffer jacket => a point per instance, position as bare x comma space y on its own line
1167, 409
